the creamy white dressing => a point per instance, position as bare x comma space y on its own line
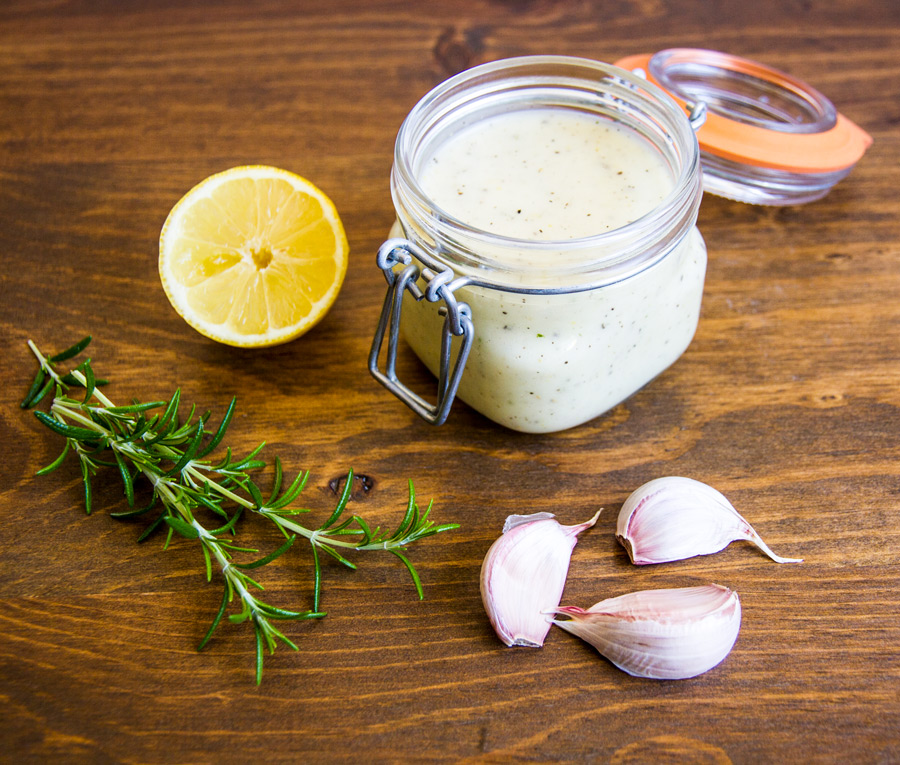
543, 363
546, 174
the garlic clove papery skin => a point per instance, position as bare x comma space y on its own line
523, 575
669, 634
674, 518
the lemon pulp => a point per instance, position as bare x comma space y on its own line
253, 256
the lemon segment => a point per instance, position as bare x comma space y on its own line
253, 256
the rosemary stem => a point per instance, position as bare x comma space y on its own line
48, 368
221, 559
303, 531
171, 500
136, 454
59, 407
169, 497
45, 364
314, 536
98, 394
196, 474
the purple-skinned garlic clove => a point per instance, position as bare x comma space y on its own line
674, 518
523, 575
668, 634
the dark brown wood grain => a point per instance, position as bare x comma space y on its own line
788, 401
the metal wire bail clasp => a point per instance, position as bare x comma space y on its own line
440, 285
697, 113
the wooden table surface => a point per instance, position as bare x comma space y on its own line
787, 401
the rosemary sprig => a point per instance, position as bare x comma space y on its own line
152, 441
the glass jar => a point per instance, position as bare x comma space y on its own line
541, 335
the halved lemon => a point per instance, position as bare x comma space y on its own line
253, 256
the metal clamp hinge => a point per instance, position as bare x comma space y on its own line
440, 283
697, 113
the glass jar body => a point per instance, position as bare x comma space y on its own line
543, 363
561, 331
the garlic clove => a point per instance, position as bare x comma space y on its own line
660, 634
523, 575
674, 518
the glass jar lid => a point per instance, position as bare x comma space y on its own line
768, 138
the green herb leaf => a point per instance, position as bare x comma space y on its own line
39, 380
57, 462
412, 572
69, 431
71, 351
270, 557
185, 529
216, 619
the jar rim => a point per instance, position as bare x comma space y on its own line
608, 255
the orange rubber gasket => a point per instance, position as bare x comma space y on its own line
839, 148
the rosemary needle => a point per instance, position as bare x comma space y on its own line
152, 441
